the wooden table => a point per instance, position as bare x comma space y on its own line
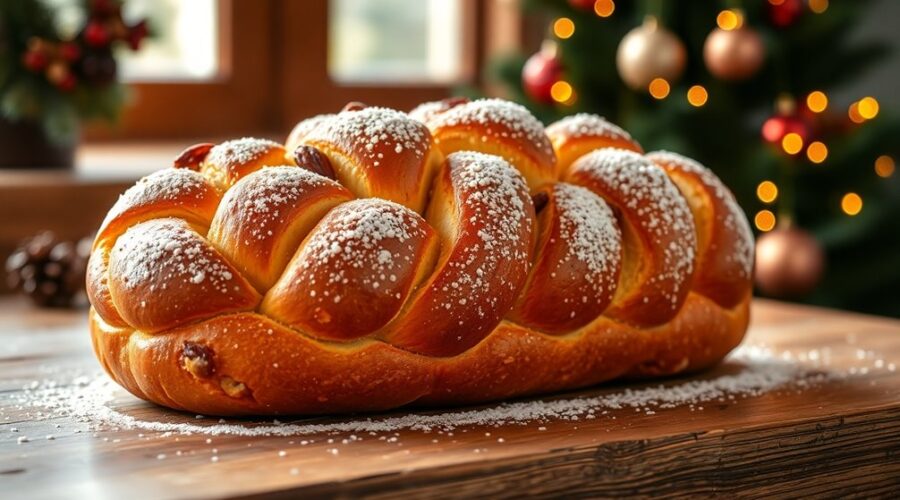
836, 437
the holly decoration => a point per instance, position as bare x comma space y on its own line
541, 71
136, 34
48, 270
89, 55
60, 81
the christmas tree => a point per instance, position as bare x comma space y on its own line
745, 88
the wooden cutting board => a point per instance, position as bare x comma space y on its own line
835, 432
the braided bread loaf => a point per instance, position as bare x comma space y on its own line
457, 254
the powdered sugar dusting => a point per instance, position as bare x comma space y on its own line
648, 192
171, 184
515, 120
228, 156
263, 199
355, 236
590, 227
166, 184
492, 194
304, 127
585, 125
761, 371
168, 250
239, 151
427, 110
372, 131
734, 219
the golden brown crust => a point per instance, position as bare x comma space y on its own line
496, 127
243, 287
577, 135
267, 214
97, 287
482, 210
167, 193
229, 161
302, 129
577, 263
380, 153
162, 274
724, 240
658, 231
354, 271
272, 361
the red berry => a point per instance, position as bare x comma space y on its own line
134, 43
69, 51
68, 83
35, 60
136, 34
96, 34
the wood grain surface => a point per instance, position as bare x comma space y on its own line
839, 437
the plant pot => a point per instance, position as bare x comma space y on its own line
25, 145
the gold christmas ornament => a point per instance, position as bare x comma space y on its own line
734, 54
789, 262
650, 51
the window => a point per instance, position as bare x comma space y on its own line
220, 68
184, 45
395, 41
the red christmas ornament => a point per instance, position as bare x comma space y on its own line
786, 13
775, 128
785, 121
35, 60
540, 72
586, 5
96, 35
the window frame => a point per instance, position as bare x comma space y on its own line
180, 109
262, 88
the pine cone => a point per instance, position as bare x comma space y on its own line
49, 270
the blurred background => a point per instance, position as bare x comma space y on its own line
792, 102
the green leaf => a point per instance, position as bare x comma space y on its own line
61, 122
21, 102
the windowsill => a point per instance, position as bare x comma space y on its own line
102, 163
125, 160
106, 163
